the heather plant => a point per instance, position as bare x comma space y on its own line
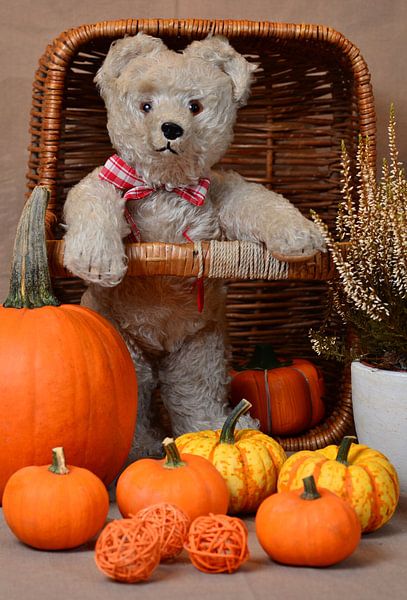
370, 294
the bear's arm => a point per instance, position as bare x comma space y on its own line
93, 214
250, 212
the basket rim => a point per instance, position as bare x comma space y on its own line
199, 28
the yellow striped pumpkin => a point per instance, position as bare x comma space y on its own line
248, 460
362, 476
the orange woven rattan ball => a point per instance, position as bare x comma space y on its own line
217, 543
172, 526
128, 550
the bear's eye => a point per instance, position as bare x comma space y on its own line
195, 107
146, 107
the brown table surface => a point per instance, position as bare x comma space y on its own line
377, 569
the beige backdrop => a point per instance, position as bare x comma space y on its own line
377, 27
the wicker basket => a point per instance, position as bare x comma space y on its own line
313, 90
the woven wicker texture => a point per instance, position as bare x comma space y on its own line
217, 543
171, 524
128, 550
312, 91
225, 260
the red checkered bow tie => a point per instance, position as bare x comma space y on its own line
117, 172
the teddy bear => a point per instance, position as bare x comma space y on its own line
170, 120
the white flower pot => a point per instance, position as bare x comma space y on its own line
379, 399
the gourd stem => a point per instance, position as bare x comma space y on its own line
227, 435
265, 359
310, 489
30, 282
172, 453
58, 462
344, 448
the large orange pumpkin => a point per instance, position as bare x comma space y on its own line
286, 397
66, 376
55, 507
190, 482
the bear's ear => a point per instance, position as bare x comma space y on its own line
218, 51
121, 52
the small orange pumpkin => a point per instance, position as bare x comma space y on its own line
190, 482
286, 395
55, 507
309, 527
66, 375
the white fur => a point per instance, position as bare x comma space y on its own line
169, 340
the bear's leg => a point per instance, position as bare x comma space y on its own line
195, 383
148, 437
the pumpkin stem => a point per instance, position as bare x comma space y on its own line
227, 435
30, 282
264, 358
172, 453
58, 462
310, 489
344, 448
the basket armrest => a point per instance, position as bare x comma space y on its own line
214, 260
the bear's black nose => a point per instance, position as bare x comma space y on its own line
172, 131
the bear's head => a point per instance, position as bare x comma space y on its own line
171, 114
